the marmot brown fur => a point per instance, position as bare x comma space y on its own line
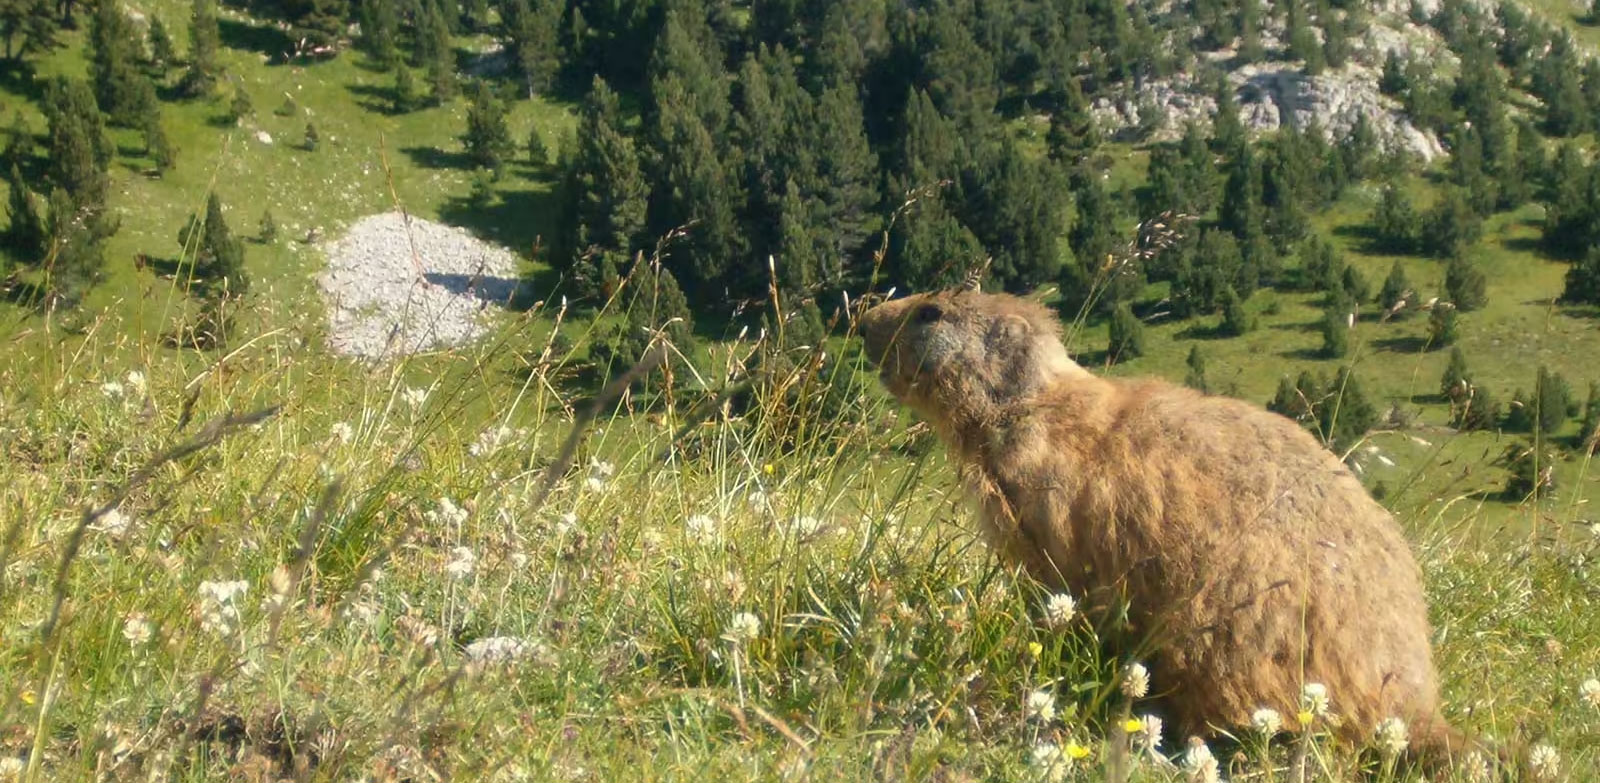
1251, 557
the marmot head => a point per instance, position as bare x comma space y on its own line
963, 354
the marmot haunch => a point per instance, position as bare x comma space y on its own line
1250, 554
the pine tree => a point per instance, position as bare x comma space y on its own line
1196, 377
218, 254
404, 94
1241, 211
204, 39
1355, 285
25, 231
76, 241
538, 151
268, 232
1441, 326
1554, 401
1395, 79
1583, 279
1396, 289
1336, 332
1465, 285
488, 137
1451, 226
380, 28
240, 107
1396, 221
604, 190
1235, 319
1477, 410
1347, 416
1456, 383
535, 27
113, 55
312, 138
28, 27
162, 51
441, 61
156, 143
1292, 401
1127, 334
80, 150
19, 144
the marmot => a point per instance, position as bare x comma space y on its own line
1250, 556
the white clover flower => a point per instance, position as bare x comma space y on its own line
1545, 762
566, 523
1200, 764
114, 523
136, 381
1589, 691
137, 630
447, 513
414, 397
1041, 705
805, 526
1149, 736
600, 473
701, 529
112, 389
219, 607
1314, 699
744, 627
1475, 768
1392, 736
1049, 762
462, 563
1135, 681
519, 560
343, 432
1267, 721
1059, 610
11, 769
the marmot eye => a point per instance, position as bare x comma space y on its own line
928, 313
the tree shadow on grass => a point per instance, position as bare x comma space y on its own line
270, 41
1363, 239
1305, 354
435, 158
1409, 344
1522, 244
518, 219
375, 98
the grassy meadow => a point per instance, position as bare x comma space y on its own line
267, 563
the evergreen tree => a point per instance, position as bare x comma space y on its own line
929, 248
1355, 285
19, 144
1235, 319
1520, 416
1127, 334
1303, 46
1396, 221
441, 61
80, 150
1589, 429
268, 231
112, 45
1396, 288
1572, 208
1196, 377
76, 246
240, 107
1583, 279
1395, 78
28, 27
156, 143
1451, 225
488, 137
380, 28
1465, 285
691, 184
1554, 400
538, 152
1292, 401
1477, 410
1227, 130
25, 231
604, 191
1241, 211
162, 51
1456, 383
1559, 83
313, 138
535, 27
1347, 415
204, 39
218, 254
1336, 332
404, 94
1441, 325
1531, 474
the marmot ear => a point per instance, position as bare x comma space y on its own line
1009, 329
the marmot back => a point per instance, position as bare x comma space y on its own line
1252, 560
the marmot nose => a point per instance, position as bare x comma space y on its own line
877, 327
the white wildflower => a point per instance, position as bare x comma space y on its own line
1135, 681
1314, 699
112, 389
1200, 764
498, 649
363, 612
1041, 705
11, 769
414, 397
1059, 610
519, 560
343, 432
600, 473
1475, 768
1049, 762
744, 627
701, 529
1392, 736
136, 381
137, 630
490, 441
277, 590
462, 563
759, 500
447, 513
1589, 691
566, 524
1545, 762
114, 523
1149, 736
805, 526
1267, 721
219, 606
